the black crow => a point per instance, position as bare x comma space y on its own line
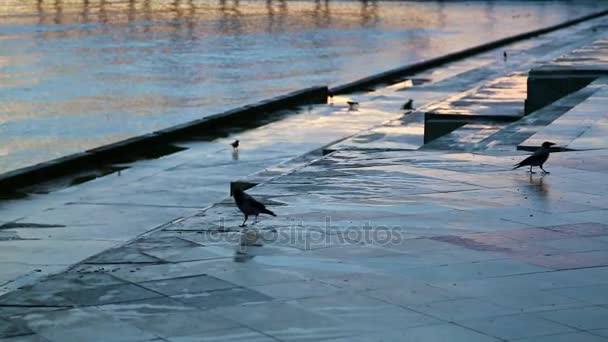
538, 158
409, 105
249, 206
235, 144
504, 55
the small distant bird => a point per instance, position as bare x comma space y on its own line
352, 104
538, 158
235, 144
409, 105
504, 55
249, 206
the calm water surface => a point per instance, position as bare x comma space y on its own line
75, 74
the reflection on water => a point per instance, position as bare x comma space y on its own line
249, 246
79, 73
541, 190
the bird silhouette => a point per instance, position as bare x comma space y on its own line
538, 158
352, 104
409, 105
235, 144
249, 205
504, 55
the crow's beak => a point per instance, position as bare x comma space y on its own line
551, 144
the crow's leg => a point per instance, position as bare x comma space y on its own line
547, 172
256, 219
243, 224
531, 172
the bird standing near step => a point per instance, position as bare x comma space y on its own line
409, 105
235, 144
538, 158
249, 206
504, 55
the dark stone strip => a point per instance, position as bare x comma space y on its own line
15, 225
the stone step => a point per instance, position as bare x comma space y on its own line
465, 138
500, 97
583, 127
517, 132
500, 100
566, 74
406, 133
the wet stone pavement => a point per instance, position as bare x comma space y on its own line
368, 245
57, 226
372, 242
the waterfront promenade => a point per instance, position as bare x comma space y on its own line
379, 236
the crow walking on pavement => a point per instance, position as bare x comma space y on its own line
235, 144
352, 104
249, 205
538, 158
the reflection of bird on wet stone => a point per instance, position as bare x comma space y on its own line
249, 205
409, 105
538, 158
235, 144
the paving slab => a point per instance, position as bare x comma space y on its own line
286, 321
587, 318
25, 338
600, 332
516, 326
186, 285
596, 294
168, 318
462, 309
413, 294
235, 334
444, 332
13, 329
578, 336
77, 324
362, 312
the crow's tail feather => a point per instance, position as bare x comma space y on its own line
266, 211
